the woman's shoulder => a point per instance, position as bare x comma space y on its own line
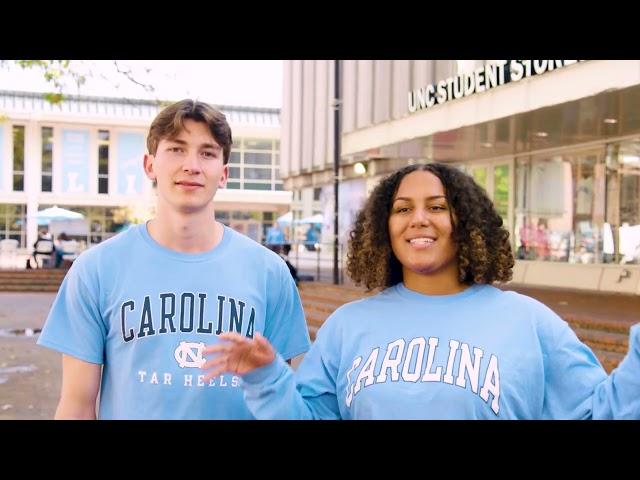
363, 307
519, 300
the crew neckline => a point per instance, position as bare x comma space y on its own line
216, 251
472, 290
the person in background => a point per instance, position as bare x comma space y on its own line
44, 246
275, 236
62, 237
312, 236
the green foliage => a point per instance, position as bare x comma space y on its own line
55, 72
60, 73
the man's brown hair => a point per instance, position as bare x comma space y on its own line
170, 122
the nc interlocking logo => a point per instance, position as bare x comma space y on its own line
189, 354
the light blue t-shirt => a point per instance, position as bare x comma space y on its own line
480, 354
275, 236
146, 312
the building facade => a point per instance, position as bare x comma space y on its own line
555, 143
86, 154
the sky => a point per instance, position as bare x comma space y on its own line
256, 83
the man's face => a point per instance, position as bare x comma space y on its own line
188, 169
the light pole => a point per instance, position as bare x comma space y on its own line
336, 166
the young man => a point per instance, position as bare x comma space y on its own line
134, 313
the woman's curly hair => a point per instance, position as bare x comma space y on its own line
484, 251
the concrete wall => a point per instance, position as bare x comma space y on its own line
605, 278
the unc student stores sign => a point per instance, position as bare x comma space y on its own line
490, 76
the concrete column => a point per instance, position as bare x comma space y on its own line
33, 172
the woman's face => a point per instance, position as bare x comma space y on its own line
420, 227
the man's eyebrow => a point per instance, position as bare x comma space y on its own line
213, 146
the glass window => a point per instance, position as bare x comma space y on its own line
103, 185
234, 172
47, 159
501, 192
13, 223
583, 170
242, 215
18, 158
257, 186
251, 173
559, 207
258, 144
622, 226
234, 157
543, 227
46, 183
257, 158
233, 185
103, 161
18, 182
479, 174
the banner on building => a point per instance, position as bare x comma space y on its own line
131, 152
75, 161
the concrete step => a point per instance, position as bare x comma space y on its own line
605, 341
326, 307
332, 298
29, 288
22, 279
314, 319
313, 331
41, 280
28, 283
609, 360
585, 321
53, 273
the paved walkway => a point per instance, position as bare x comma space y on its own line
29, 375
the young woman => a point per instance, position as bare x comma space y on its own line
439, 341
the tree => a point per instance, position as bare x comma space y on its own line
59, 73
